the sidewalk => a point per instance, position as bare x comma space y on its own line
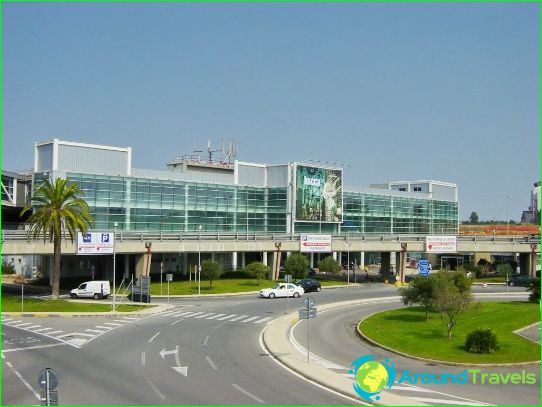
276, 341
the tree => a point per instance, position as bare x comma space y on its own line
211, 270
534, 288
452, 297
258, 270
420, 291
329, 264
473, 218
505, 269
297, 265
57, 208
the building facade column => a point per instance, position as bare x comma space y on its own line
362, 260
311, 259
234, 261
264, 258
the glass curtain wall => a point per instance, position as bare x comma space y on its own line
175, 206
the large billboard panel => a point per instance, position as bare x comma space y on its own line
95, 243
318, 194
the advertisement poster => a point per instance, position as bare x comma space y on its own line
319, 195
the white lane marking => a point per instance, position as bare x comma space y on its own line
112, 323
13, 322
53, 333
142, 358
227, 317
19, 325
211, 362
206, 340
154, 336
33, 347
193, 314
167, 313
253, 397
216, 316
7, 319
95, 331
104, 327
409, 388
205, 315
176, 322
182, 314
414, 388
443, 401
77, 341
122, 320
82, 334
131, 318
43, 329
262, 320
156, 390
251, 319
32, 327
238, 318
72, 334
28, 386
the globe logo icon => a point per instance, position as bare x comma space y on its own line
371, 376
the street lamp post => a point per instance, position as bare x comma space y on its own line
348, 262
199, 260
115, 226
507, 217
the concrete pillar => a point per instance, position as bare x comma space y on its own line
525, 263
234, 260
276, 266
141, 264
385, 264
126, 267
243, 260
264, 258
397, 264
311, 257
362, 260
185, 263
334, 256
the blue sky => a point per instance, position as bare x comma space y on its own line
395, 91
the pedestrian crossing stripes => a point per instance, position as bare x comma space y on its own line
74, 338
213, 316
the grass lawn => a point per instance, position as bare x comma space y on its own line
407, 331
13, 304
237, 285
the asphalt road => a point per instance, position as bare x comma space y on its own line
141, 361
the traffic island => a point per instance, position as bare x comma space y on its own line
406, 332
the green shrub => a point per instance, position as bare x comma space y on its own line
7, 268
329, 264
258, 270
534, 288
482, 340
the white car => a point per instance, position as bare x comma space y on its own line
282, 290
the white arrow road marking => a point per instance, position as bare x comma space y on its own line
181, 369
165, 352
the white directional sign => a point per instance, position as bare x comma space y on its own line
315, 243
95, 243
441, 244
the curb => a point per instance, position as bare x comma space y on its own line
436, 361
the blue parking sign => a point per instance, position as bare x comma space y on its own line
423, 267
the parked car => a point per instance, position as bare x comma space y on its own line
282, 290
311, 272
92, 289
309, 284
521, 280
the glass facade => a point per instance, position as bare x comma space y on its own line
175, 206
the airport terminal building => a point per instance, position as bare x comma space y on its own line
192, 195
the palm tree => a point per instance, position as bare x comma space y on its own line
57, 207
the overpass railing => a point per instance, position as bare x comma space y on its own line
21, 235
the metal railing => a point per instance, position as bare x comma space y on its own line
121, 236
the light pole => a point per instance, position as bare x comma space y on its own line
199, 260
508, 196
348, 262
115, 226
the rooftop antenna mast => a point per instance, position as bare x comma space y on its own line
231, 152
210, 151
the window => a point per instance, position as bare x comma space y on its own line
417, 189
402, 189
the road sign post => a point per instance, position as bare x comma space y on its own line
48, 381
287, 280
423, 267
308, 312
169, 277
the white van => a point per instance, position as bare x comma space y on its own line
92, 289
